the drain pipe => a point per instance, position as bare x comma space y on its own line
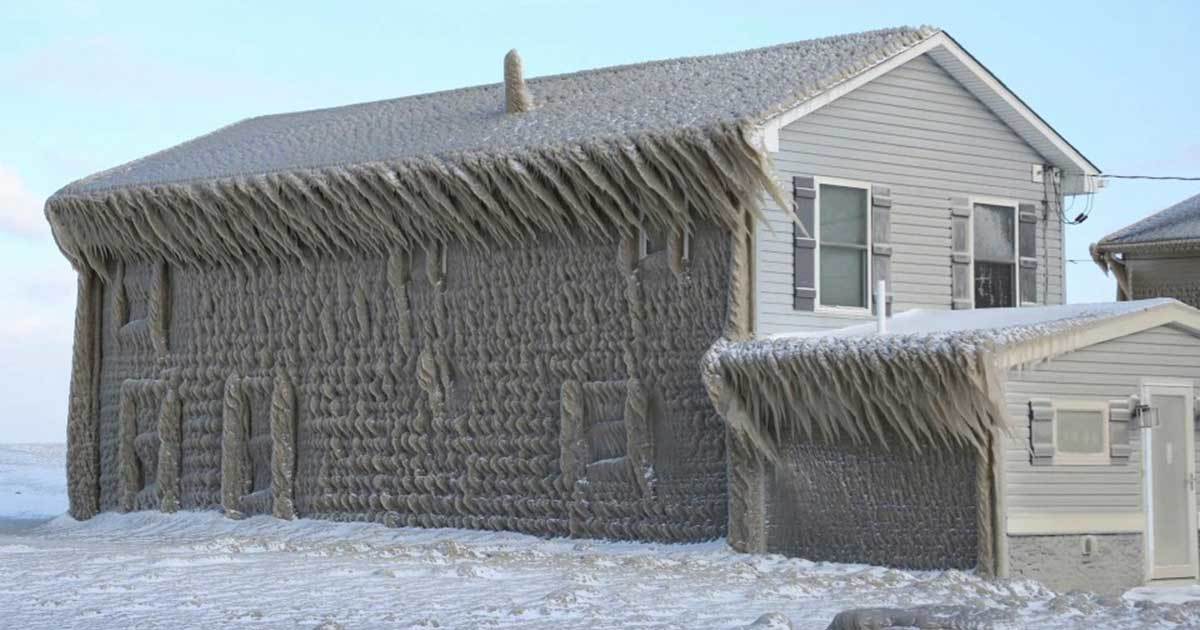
881, 307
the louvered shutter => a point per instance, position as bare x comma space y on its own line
881, 241
1027, 248
962, 290
1120, 415
804, 246
1041, 432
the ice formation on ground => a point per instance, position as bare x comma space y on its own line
193, 569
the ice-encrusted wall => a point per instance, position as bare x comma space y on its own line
895, 506
428, 387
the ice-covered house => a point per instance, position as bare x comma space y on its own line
493, 307
1158, 256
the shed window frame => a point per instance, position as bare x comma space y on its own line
1066, 458
661, 240
819, 306
1015, 206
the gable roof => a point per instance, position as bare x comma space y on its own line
856, 382
1009, 331
1174, 228
615, 102
667, 142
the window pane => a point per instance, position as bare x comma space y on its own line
994, 233
843, 215
993, 284
843, 276
1079, 431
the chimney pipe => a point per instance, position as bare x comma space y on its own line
516, 95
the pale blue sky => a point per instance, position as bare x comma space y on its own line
88, 85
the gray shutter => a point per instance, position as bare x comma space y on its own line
804, 246
962, 289
1041, 432
1120, 414
881, 241
1027, 248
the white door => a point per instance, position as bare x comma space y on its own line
1170, 471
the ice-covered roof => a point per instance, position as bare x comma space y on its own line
1178, 225
620, 101
934, 377
666, 143
997, 323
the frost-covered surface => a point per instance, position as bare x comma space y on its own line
993, 320
577, 108
32, 480
1176, 223
154, 570
857, 382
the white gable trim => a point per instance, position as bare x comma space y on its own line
1174, 314
1078, 171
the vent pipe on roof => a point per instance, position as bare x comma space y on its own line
516, 95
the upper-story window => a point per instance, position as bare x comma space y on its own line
843, 245
995, 255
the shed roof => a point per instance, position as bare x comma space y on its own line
935, 376
1174, 228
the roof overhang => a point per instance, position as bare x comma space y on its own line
1079, 174
1174, 314
1189, 246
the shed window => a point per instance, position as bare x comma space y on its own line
1081, 433
843, 226
995, 258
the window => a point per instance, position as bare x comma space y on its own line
844, 258
653, 240
1081, 433
995, 260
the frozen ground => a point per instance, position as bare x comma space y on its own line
149, 570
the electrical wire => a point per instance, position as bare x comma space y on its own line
1152, 177
1089, 198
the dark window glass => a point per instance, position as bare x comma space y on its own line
995, 256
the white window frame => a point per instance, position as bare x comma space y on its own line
845, 183
643, 243
1016, 208
1104, 457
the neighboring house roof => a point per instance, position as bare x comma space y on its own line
680, 140
866, 386
1176, 228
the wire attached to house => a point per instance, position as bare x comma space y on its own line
1172, 178
1089, 198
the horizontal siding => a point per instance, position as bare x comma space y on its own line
1105, 371
922, 134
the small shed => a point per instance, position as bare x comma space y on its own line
1053, 442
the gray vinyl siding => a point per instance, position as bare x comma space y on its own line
1106, 371
920, 132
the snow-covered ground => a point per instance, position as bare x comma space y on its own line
150, 570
